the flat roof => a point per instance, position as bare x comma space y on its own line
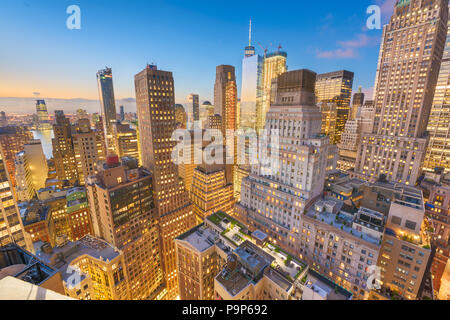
200, 237
326, 287
88, 245
337, 221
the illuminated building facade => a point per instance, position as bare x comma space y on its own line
12, 140
438, 151
405, 247
36, 219
127, 144
225, 105
11, 226
42, 113
336, 88
409, 62
348, 147
63, 151
206, 110
436, 193
126, 218
274, 202
274, 65
91, 268
210, 191
24, 185
88, 149
108, 104
155, 98
180, 117
225, 96
37, 163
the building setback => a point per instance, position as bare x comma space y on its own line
407, 74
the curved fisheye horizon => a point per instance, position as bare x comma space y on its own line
225, 159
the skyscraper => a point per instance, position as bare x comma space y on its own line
193, 111
41, 110
108, 104
88, 149
348, 146
210, 191
180, 117
251, 87
438, 151
275, 202
410, 58
250, 50
126, 141
274, 65
126, 218
3, 120
12, 140
225, 96
122, 113
37, 163
358, 101
11, 226
155, 102
63, 151
24, 186
336, 88
225, 105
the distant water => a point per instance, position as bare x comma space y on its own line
46, 137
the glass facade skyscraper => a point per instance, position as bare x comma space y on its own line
336, 88
41, 110
108, 104
251, 90
274, 65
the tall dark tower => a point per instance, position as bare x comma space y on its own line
108, 105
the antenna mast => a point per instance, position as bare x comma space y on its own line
250, 34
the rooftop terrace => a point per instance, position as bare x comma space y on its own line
338, 219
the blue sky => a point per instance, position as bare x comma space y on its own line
190, 38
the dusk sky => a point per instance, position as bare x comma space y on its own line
39, 54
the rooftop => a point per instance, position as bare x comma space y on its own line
33, 211
201, 237
231, 229
404, 195
325, 287
21, 264
329, 211
62, 256
290, 267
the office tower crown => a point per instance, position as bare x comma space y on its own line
295, 87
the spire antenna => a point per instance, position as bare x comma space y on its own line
250, 34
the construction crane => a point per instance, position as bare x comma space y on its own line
264, 49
